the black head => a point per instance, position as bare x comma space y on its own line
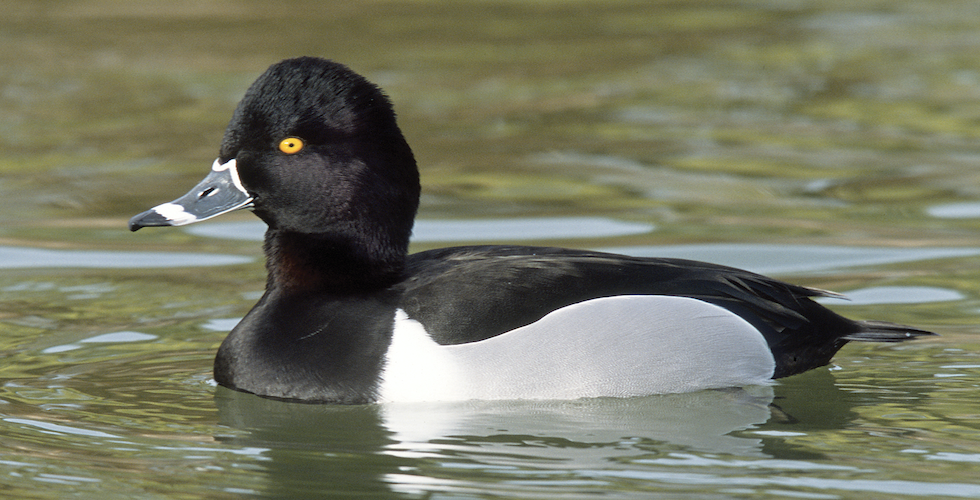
353, 176
314, 150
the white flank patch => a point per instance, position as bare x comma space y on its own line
417, 368
175, 214
623, 346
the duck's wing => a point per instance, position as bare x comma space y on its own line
468, 294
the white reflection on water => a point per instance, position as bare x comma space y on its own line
966, 210
580, 434
105, 338
525, 229
423, 428
36, 258
221, 324
436, 231
893, 487
795, 259
709, 461
50, 427
896, 295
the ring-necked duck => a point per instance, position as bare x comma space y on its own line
349, 317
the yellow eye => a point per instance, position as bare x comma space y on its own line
291, 145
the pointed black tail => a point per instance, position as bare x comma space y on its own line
883, 331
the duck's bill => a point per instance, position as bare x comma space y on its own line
220, 192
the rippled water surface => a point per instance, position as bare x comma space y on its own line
831, 143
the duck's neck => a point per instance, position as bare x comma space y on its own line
300, 263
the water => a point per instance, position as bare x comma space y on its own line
831, 143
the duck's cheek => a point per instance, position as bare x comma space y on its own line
249, 172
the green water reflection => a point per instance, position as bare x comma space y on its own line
824, 141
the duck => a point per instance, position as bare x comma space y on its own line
349, 316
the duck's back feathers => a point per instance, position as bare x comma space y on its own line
466, 294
